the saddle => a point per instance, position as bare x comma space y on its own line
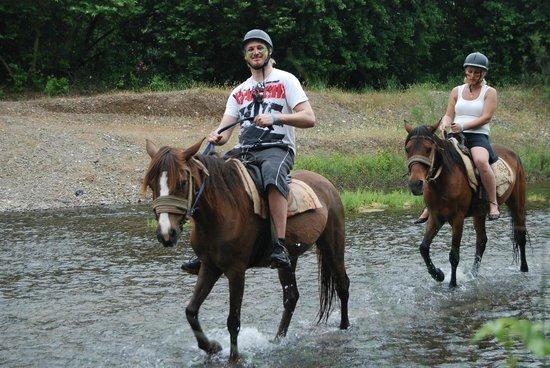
301, 197
504, 176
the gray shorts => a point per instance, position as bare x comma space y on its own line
271, 165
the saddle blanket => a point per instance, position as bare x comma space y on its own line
301, 197
504, 176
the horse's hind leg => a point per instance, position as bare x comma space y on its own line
331, 245
481, 241
290, 297
206, 280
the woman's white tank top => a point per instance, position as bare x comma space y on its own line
466, 110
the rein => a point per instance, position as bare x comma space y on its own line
188, 206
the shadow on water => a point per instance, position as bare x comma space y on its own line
93, 287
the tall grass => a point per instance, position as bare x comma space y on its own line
380, 170
365, 201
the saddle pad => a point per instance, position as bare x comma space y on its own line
504, 176
301, 197
472, 180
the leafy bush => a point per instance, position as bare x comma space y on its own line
158, 83
508, 330
57, 86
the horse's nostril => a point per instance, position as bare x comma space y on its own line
416, 187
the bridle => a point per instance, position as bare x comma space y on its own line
432, 173
177, 205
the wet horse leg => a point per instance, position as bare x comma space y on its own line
432, 228
481, 241
290, 297
206, 280
236, 290
457, 224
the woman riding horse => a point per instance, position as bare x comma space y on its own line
470, 109
437, 172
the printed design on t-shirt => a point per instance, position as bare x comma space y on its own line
272, 89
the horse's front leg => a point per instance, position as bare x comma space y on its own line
433, 226
208, 275
236, 290
454, 255
481, 241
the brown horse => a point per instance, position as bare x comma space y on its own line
437, 171
228, 238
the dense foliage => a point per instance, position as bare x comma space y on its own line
98, 44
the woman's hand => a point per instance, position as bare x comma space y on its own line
457, 127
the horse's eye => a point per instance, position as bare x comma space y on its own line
181, 184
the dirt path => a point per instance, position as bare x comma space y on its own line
67, 152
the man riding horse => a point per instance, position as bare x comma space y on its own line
269, 105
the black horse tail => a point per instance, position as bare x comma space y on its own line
517, 206
327, 285
332, 273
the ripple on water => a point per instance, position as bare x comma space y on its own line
92, 287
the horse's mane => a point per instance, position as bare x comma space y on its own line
224, 184
446, 151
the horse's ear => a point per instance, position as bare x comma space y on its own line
191, 151
152, 148
434, 127
408, 127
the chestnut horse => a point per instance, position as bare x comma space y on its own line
437, 171
229, 238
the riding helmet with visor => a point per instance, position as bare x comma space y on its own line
478, 60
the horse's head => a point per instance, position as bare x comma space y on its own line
173, 175
420, 148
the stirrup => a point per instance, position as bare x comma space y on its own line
280, 258
192, 267
493, 216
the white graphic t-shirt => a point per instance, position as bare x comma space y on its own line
281, 92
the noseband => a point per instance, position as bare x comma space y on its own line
428, 161
175, 204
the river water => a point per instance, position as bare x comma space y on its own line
94, 288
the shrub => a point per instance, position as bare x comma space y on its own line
57, 86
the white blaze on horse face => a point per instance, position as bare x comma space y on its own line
164, 220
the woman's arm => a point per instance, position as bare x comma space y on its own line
450, 113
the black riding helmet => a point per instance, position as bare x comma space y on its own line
259, 35
478, 60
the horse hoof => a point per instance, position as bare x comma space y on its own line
439, 275
524, 268
214, 347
